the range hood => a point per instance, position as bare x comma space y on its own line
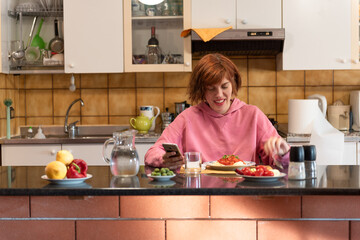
241, 42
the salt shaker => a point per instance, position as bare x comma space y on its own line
296, 165
310, 164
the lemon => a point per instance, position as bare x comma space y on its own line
64, 156
55, 170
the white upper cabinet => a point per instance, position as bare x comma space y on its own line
317, 34
93, 34
236, 13
258, 14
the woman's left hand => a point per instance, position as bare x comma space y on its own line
276, 146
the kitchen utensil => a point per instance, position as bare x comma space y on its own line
339, 116
19, 54
180, 106
32, 54
141, 123
56, 44
38, 41
148, 111
124, 160
301, 113
31, 32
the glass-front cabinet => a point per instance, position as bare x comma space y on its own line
152, 41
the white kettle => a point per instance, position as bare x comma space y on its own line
322, 102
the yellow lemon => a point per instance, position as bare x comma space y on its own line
64, 156
55, 170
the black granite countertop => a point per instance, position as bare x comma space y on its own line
331, 180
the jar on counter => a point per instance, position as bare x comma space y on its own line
296, 165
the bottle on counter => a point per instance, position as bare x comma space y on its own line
310, 163
296, 165
30, 133
153, 52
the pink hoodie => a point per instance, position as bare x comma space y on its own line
242, 131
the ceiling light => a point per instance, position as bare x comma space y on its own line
151, 2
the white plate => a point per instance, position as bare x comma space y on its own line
67, 180
262, 178
161, 178
228, 167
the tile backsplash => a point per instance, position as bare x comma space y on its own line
115, 98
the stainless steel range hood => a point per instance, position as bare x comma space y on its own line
241, 42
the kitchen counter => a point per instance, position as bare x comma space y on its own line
332, 180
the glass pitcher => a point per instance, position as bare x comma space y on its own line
124, 160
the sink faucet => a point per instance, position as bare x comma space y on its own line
71, 125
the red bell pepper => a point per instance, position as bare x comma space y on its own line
77, 169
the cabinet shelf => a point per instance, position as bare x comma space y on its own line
14, 14
157, 18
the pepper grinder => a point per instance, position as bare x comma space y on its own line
310, 164
296, 165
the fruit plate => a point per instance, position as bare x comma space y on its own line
160, 178
67, 181
215, 166
262, 178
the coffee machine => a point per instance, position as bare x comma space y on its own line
180, 106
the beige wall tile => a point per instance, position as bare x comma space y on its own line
242, 66
34, 121
150, 96
346, 77
62, 100
323, 77
243, 94
2, 106
39, 103
94, 120
176, 79
3, 80
121, 80
61, 120
286, 93
94, 80
95, 102
343, 94
325, 91
19, 81
173, 95
20, 110
10, 81
38, 81
263, 98
120, 120
63, 80
122, 102
290, 78
150, 79
262, 72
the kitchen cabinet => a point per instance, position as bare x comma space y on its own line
317, 35
28, 154
169, 23
92, 32
90, 152
236, 13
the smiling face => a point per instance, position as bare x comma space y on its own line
218, 96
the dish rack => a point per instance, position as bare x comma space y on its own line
41, 8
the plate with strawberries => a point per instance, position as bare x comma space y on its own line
259, 173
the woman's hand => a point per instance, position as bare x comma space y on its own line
276, 146
172, 162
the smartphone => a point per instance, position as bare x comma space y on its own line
172, 147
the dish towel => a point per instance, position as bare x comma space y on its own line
206, 34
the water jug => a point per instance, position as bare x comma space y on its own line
124, 160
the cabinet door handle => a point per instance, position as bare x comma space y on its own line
355, 61
187, 64
53, 152
244, 21
228, 21
343, 60
71, 65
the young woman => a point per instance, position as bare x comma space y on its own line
220, 124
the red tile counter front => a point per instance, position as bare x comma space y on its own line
216, 208
179, 217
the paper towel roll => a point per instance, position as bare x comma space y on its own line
301, 114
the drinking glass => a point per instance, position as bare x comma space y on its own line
192, 162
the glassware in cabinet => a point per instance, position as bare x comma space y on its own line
168, 19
